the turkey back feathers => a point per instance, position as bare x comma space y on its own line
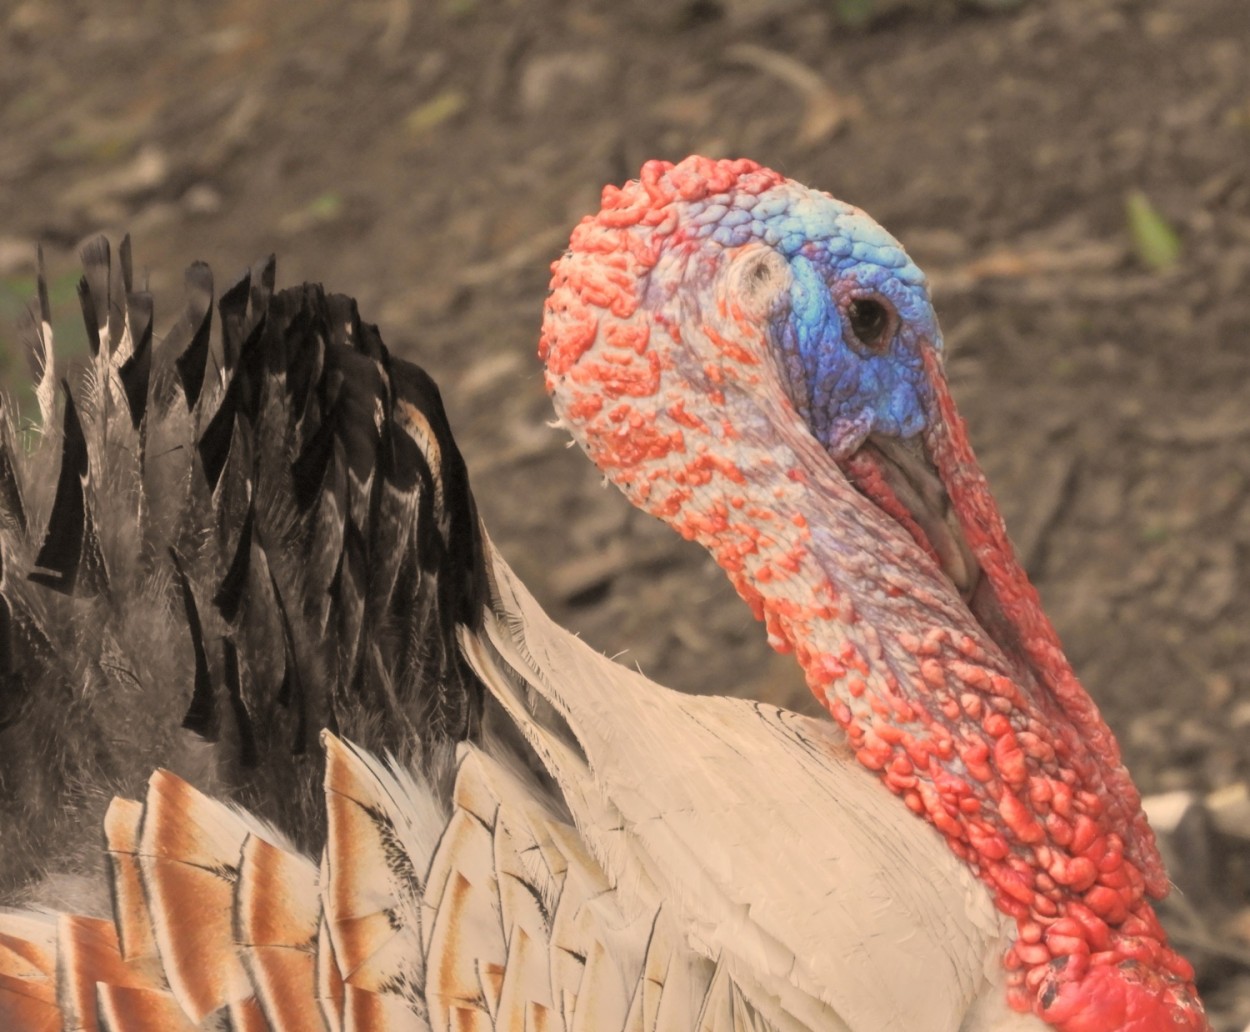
249, 539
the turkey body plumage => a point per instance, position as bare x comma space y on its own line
242, 540
260, 537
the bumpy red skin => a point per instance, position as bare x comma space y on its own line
1000, 748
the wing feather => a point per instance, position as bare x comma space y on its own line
331, 993
381, 824
129, 1009
87, 953
29, 1005
28, 971
130, 912
189, 853
276, 913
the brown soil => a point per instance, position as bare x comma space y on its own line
430, 156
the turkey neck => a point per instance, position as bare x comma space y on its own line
866, 539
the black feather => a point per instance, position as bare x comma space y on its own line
45, 308
264, 276
214, 443
230, 593
12, 508
451, 538
309, 469
69, 557
127, 266
257, 346
248, 753
233, 309
119, 289
12, 511
348, 593
359, 401
135, 370
201, 716
369, 341
196, 327
93, 289
291, 690
304, 360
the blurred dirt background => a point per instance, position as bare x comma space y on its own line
1073, 174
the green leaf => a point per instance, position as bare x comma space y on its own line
1155, 242
855, 12
434, 113
326, 208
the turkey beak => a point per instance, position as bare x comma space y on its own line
911, 476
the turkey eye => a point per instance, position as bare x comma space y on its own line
869, 321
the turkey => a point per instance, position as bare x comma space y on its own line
448, 812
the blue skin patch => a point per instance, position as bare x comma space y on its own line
843, 390
836, 253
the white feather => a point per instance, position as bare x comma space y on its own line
774, 853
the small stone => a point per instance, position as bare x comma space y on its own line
201, 199
545, 77
1219, 691
1183, 828
1239, 715
1229, 809
148, 170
